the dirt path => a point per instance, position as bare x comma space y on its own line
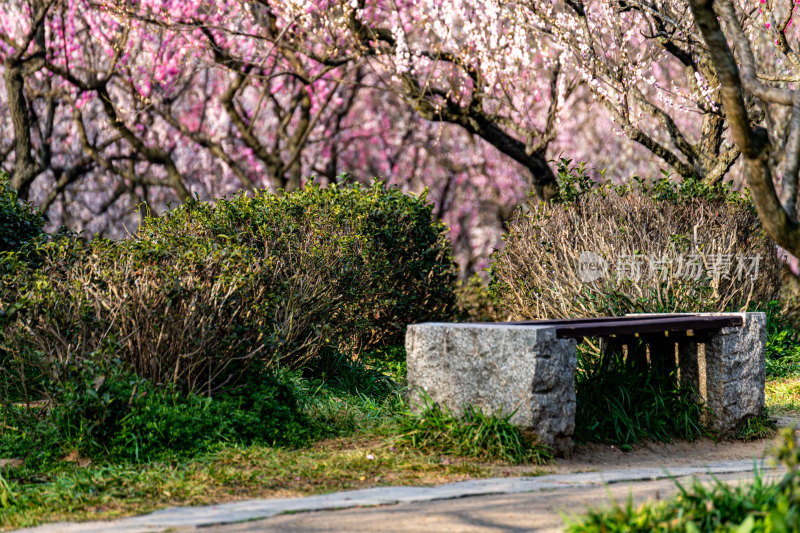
594, 457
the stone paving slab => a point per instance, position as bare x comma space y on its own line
188, 518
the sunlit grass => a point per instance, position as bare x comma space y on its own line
782, 396
102, 492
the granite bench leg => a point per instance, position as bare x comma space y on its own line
727, 371
499, 369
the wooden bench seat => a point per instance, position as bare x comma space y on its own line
577, 328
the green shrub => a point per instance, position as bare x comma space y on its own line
207, 294
659, 244
474, 434
388, 262
20, 222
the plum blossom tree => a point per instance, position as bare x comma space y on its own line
114, 104
479, 61
128, 91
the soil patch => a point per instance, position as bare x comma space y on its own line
588, 457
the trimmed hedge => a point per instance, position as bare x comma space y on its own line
393, 262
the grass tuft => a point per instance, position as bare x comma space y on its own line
758, 427
759, 506
475, 434
783, 396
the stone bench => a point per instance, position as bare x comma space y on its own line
529, 367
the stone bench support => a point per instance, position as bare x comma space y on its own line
499, 369
727, 371
527, 369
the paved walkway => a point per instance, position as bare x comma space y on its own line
499, 504
539, 511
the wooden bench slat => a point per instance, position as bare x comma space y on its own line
587, 320
606, 326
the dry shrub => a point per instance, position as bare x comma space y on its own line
540, 273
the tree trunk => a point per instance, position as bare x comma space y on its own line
25, 167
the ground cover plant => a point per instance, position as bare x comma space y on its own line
474, 434
782, 390
118, 417
783, 342
354, 429
622, 402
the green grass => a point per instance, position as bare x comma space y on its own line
759, 427
782, 396
474, 434
361, 429
782, 390
348, 397
783, 345
124, 419
620, 402
696, 508
104, 491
